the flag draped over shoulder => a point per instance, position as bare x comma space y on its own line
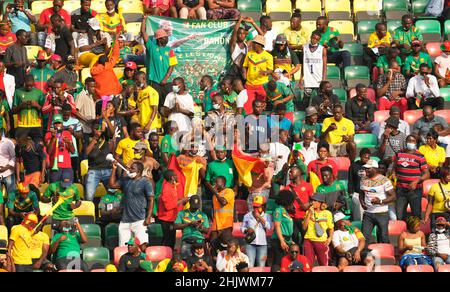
314, 180
173, 165
191, 172
245, 164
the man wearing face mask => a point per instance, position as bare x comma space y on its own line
141, 153
423, 125
411, 170
137, 203
439, 244
392, 141
222, 166
355, 174
423, 89
442, 65
220, 120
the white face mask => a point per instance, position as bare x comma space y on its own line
199, 255
175, 89
132, 175
216, 106
440, 230
111, 11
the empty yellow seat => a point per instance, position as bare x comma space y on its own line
85, 73
47, 229
44, 208
338, 9
98, 6
134, 28
130, 6
80, 189
310, 25
280, 26
366, 9
84, 167
38, 6
345, 28
279, 9
71, 5
87, 209
119, 72
311, 9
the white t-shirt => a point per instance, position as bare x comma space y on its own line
445, 140
241, 98
376, 187
443, 62
309, 154
278, 149
345, 239
270, 37
186, 102
83, 40
443, 244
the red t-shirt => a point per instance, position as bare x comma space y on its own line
168, 203
304, 191
316, 165
47, 13
64, 160
6, 41
286, 262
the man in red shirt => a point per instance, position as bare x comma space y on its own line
7, 38
58, 143
294, 255
323, 150
44, 19
168, 207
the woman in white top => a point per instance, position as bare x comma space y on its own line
228, 259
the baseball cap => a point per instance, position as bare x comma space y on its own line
66, 179
310, 111
131, 65
22, 188
31, 218
58, 118
56, 57
371, 164
393, 122
94, 23
338, 217
258, 201
160, 33
318, 197
133, 241
416, 43
259, 39
194, 202
445, 47
42, 56
70, 59
441, 220
296, 265
140, 146
281, 39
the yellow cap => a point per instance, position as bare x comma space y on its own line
258, 201
22, 188
111, 268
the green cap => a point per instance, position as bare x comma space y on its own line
146, 266
57, 118
297, 147
221, 148
133, 241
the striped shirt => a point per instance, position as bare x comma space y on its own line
409, 168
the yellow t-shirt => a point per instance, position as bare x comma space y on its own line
433, 156
21, 251
147, 98
125, 148
436, 193
375, 41
223, 216
254, 63
110, 24
37, 241
344, 127
297, 38
325, 219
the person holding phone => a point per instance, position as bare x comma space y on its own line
391, 89
423, 89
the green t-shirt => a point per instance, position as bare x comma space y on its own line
29, 117
126, 50
2, 201
158, 60
406, 37
281, 92
383, 63
69, 248
185, 216
110, 201
169, 145
41, 76
329, 33
336, 186
413, 65
229, 101
218, 168
300, 127
287, 225
63, 212
20, 205
128, 81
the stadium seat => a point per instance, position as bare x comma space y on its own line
341, 93
96, 257
425, 228
71, 5
98, 271
395, 9
371, 94
338, 9
118, 253
366, 9
85, 73
80, 188
364, 29
325, 269
237, 230
419, 6
434, 49
86, 212
309, 25
445, 93
357, 74
118, 71
443, 113
356, 269
430, 29
84, 167
241, 208
4, 233
250, 8
47, 229
299, 116
343, 163
388, 269
279, 9
381, 116
444, 268
311, 9
412, 116
259, 270
420, 268
111, 236
334, 76
356, 52
100, 191
92, 230
395, 229
393, 24
345, 28
280, 26
447, 29
38, 6
426, 186
155, 234
131, 10
98, 6
158, 253
134, 28
32, 52
384, 249
366, 141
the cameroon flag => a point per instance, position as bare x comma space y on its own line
314, 180
173, 165
191, 172
244, 165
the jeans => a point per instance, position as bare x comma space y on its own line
411, 197
339, 57
437, 261
93, 178
139, 60
257, 255
381, 220
416, 261
9, 182
357, 210
71, 263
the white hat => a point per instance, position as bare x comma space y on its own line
371, 164
94, 23
338, 217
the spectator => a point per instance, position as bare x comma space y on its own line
85, 105
21, 202
7, 38
45, 22
42, 73
229, 259
129, 74
325, 101
115, 124
297, 36
81, 16
194, 225
257, 126
406, 34
278, 93
161, 8
415, 60
30, 155
92, 44
262, 180
111, 21
192, 9
110, 207
73, 125
222, 9
257, 67
411, 170
384, 61
339, 132
20, 17
315, 166
349, 243
331, 188
264, 30
424, 124
411, 244
361, 110
60, 41
137, 204
222, 166
280, 152
423, 89
330, 39
319, 227
18, 251
434, 154
16, 60
391, 89
284, 58
40, 248
7, 164
357, 173
308, 147
404, 127
310, 124
199, 261
442, 65
106, 80
238, 51
55, 62
66, 247
223, 209
379, 41
68, 75
392, 141
7, 84
292, 257
375, 195
437, 196
439, 244
243, 104
284, 228
169, 145
130, 262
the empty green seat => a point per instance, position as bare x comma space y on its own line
419, 6
430, 29
299, 116
155, 234
112, 235
334, 76
366, 141
447, 29
250, 8
358, 224
395, 9
357, 74
341, 93
96, 257
365, 28
92, 230
356, 52
393, 24
445, 93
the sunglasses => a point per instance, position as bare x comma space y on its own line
294, 251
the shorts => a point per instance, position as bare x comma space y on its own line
338, 150
364, 254
32, 179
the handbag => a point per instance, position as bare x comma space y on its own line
446, 200
250, 237
318, 229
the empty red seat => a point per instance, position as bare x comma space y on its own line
158, 253
388, 269
396, 227
381, 116
237, 230
343, 163
420, 268
371, 94
356, 269
383, 249
427, 186
434, 49
119, 252
259, 270
325, 269
444, 268
443, 113
241, 207
412, 116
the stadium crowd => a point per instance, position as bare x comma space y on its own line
108, 162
